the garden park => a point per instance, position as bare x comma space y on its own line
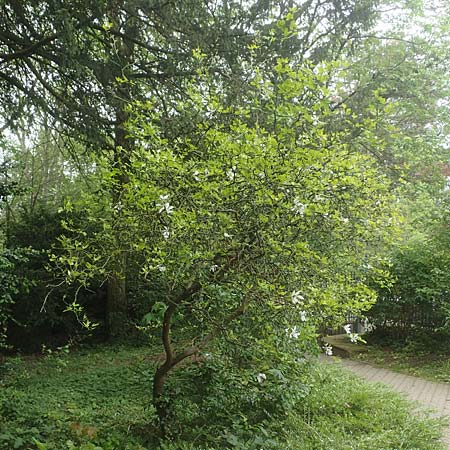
205, 205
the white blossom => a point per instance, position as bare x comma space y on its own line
368, 327
295, 333
328, 349
161, 268
298, 208
297, 297
214, 268
336, 99
348, 328
166, 233
261, 377
195, 175
118, 207
231, 173
226, 235
319, 198
303, 316
165, 205
353, 337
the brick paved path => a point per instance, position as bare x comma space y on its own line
431, 394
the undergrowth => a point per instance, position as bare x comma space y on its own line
101, 400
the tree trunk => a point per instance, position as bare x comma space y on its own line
161, 406
117, 301
117, 306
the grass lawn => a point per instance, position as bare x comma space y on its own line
100, 399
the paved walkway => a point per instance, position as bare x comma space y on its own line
431, 394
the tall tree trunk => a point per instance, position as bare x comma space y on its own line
117, 304
117, 301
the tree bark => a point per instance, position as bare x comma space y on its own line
172, 358
117, 306
117, 301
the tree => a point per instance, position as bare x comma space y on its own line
409, 73
83, 66
404, 63
262, 223
10, 281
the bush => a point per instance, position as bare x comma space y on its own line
416, 308
37, 318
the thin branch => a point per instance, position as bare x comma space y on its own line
25, 52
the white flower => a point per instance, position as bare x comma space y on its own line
195, 175
368, 327
166, 233
261, 377
161, 268
303, 316
118, 207
297, 297
318, 198
328, 349
226, 235
294, 334
348, 328
336, 99
298, 208
231, 173
164, 206
214, 268
261, 175
353, 337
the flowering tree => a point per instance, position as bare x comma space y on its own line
245, 221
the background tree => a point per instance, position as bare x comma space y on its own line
81, 67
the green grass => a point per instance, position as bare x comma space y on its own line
346, 413
100, 400
101, 396
424, 364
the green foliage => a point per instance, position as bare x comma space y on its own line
37, 304
11, 284
74, 407
70, 401
416, 308
259, 210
